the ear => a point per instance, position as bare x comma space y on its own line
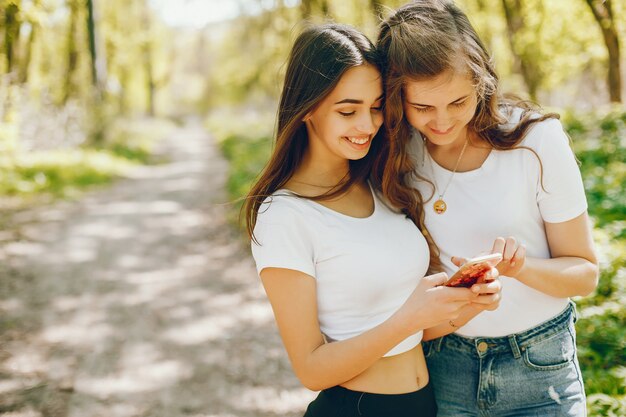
306, 117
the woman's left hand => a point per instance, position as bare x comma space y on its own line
488, 292
513, 256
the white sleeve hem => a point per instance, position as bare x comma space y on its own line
566, 215
287, 265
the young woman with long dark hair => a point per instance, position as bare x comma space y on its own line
343, 271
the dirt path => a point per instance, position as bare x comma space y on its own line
139, 300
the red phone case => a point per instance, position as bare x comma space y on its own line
469, 276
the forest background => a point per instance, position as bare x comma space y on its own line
87, 88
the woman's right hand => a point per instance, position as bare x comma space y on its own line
432, 303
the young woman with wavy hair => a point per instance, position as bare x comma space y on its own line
480, 167
344, 272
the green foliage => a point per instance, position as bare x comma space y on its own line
134, 139
605, 405
245, 140
600, 144
59, 173
599, 141
63, 172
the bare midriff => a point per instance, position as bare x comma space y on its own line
396, 374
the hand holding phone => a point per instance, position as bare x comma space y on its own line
473, 271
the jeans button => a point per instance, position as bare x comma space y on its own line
482, 347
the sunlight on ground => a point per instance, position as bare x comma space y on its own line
27, 361
140, 377
23, 413
87, 329
273, 400
141, 301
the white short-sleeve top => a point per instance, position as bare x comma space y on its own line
506, 196
364, 268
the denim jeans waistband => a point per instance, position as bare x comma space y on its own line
514, 343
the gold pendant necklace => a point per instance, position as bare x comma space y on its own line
440, 205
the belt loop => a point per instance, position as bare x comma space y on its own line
574, 310
437, 344
514, 346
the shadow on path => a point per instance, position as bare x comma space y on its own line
140, 300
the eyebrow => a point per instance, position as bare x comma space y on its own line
428, 105
355, 101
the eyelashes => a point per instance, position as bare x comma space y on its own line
352, 113
426, 109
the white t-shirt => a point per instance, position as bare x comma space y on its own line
504, 197
364, 268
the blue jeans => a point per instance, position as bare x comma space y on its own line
533, 373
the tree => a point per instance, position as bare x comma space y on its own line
603, 13
525, 56
147, 58
98, 67
308, 7
12, 26
72, 51
376, 6
28, 48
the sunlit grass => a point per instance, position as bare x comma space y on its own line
66, 171
599, 140
60, 173
245, 139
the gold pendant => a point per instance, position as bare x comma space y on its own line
440, 206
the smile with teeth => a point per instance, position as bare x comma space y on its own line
358, 140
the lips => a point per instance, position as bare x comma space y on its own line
442, 132
357, 140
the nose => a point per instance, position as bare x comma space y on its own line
368, 123
442, 119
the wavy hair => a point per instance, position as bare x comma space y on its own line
319, 57
419, 41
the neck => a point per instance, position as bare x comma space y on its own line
321, 172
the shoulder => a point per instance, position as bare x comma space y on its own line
547, 134
282, 206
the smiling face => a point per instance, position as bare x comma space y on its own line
344, 123
441, 107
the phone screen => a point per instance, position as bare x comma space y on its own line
473, 271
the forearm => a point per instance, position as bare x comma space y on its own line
560, 277
334, 363
451, 326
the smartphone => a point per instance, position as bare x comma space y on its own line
473, 271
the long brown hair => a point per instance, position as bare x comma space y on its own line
422, 40
320, 56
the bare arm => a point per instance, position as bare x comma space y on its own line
293, 297
571, 270
489, 295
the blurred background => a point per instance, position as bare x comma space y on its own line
94, 91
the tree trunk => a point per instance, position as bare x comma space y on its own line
11, 34
523, 63
325, 8
603, 14
147, 60
376, 6
28, 51
305, 9
91, 32
486, 33
72, 52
